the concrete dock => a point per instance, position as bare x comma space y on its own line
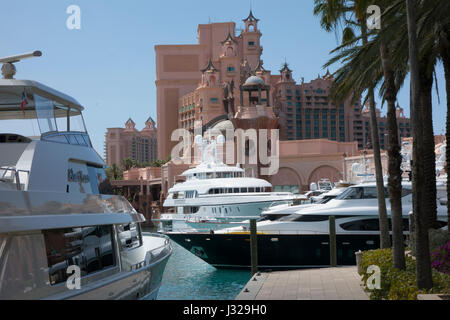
341, 283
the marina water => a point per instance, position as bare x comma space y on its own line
187, 277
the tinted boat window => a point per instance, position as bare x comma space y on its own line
89, 248
326, 199
370, 225
351, 193
304, 218
309, 217
361, 193
370, 193
129, 236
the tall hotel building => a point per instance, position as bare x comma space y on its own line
128, 142
190, 86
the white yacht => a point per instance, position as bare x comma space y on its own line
62, 236
301, 238
215, 191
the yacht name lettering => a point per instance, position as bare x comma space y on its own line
77, 176
211, 311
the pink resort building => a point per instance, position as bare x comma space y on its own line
190, 80
128, 142
222, 83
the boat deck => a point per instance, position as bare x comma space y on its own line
341, 283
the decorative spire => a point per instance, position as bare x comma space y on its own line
259, 67
130, 125
328, 75
210, 67
285, 68
149, 124
251, 17
229, 39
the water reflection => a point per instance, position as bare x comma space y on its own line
187, 277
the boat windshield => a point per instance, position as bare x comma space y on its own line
366, 193
34, 116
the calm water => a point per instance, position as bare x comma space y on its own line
187, 277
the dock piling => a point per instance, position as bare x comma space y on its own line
333, 256
253, 247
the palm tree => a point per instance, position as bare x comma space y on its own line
427, 63
434, 26
113, 172
352, 15
365, 65
445, 54
423, 263
128, 163
395, 161
432, 23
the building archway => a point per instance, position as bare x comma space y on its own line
288, 180
325, 172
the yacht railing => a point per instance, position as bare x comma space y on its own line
15, 177
246, 231
153, 255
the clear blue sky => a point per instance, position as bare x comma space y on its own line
109, 65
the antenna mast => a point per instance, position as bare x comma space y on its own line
8, 68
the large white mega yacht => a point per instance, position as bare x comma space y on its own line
301, 238
214, 190
61, 235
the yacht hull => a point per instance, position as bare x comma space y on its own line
141, 285
274, 250
141, 281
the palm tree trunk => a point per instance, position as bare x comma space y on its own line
446, 61
423, 264
429, 155
385, 240
395, 160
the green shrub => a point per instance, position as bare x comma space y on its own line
398, 284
